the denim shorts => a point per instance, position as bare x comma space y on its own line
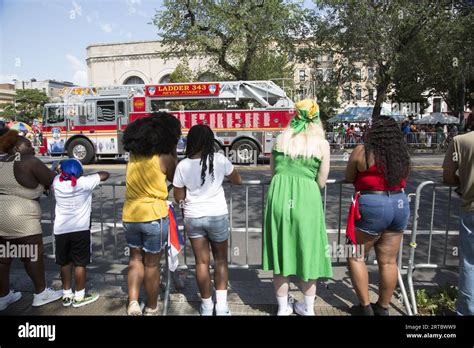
146, 235
465, 301
215, 228
383, 212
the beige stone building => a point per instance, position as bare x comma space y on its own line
7, 93
132, 63
51, 88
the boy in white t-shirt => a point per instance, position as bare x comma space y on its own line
198, 185
73, 193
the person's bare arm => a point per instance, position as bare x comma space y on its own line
450, 166
235, 178
179, 193
41, 172
103, 175
168, 165
351, 169
325, 164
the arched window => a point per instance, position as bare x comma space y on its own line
165, 79
133, 80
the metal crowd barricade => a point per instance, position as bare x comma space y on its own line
412, 266
421, 140
256, 187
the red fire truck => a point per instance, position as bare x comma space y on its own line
245, 116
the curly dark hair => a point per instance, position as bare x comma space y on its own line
154, 135
385, 140
201, 138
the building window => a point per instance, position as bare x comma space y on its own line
133, 80
320, 74
165, 79
328, 74
302, 75
358, 73
347, 94
370, 73
329, 55
319, 58
437, 105
371, 95
358, 94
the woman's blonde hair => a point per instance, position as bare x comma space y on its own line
306, 144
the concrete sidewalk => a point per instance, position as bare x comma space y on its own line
250, 293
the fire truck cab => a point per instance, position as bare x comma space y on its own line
244, 115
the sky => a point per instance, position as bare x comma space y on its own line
47, 39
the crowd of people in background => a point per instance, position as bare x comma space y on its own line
438, 135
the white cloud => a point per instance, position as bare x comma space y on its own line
77, 8
106, 27
8, 78
80, 78
80, 70
89, 19
132, 8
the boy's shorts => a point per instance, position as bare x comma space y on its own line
73, 247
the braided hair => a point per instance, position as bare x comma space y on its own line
385, 140
201, 138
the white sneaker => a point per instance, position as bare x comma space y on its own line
7, 300
301, 309
47, 296
288, 310
134, 309
223, 311
206, 311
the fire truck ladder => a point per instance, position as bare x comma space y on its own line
261, 91
79, 94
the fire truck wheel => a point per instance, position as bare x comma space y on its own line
82, 150
246, 151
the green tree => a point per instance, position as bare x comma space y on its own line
273, 65
376, 33
440, 61
182, 73
233, 33
27, 105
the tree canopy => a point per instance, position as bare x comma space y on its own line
235, 34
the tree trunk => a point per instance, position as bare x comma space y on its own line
383, 82
381, 94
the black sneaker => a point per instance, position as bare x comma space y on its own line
360, 310
379, 310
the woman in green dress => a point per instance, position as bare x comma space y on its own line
295, 240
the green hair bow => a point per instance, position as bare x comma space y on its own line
300, 122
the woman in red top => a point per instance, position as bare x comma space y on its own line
380, 211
